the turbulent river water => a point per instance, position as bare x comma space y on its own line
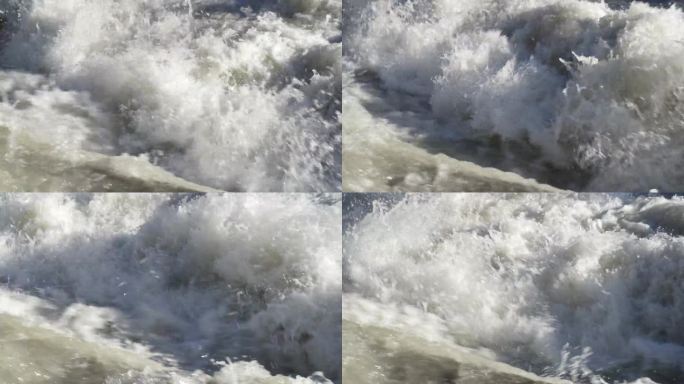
513, 289
138, 95
513, 95
161, 289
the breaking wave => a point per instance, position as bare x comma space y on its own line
578, 94
170, 288
170, 95
586, 288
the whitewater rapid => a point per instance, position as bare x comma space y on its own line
185, 289
513, 288
486, 95
169, 95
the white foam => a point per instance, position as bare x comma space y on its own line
220, 98
557, 284
182, 279
593, 87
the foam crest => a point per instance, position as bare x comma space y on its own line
577, 84
578, 287
230, 100
186, 280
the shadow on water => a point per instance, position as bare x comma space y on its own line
355, 206
412, 114
10, 17
248, 7
622, 4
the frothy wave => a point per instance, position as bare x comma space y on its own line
586, 288
244, 286
595, 89
232, 95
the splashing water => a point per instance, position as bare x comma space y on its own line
578, 94
585, 288
170, 95
170, 288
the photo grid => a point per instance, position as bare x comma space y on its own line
341, 191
